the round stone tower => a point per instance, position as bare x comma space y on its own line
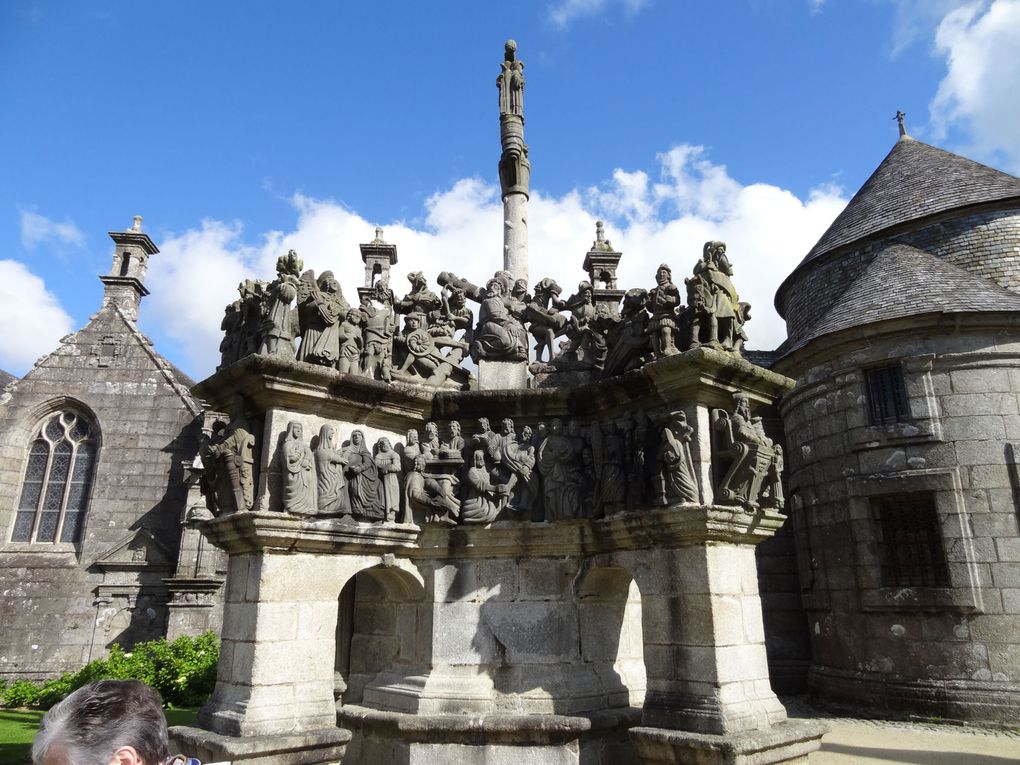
904, 336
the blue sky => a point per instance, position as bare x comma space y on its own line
240, 129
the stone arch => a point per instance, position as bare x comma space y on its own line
610, 630
383, 628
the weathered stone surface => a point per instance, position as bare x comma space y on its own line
791, 742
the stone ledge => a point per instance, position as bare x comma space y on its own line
789, 742
253, 531
667, 527
517, 730
315, 748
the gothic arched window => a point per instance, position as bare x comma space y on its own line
58, 479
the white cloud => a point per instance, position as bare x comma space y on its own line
980, 43
916, 20
564, 12
32, 318
768, 231
36, 229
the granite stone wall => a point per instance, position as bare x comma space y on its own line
62, 603
951, 650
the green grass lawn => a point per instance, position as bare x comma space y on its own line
18, 727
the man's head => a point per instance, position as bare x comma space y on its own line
114, 722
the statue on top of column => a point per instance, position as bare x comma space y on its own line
510, 82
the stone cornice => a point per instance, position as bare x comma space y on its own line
704, 375
835, 345
664, 528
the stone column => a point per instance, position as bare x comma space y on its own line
709, 696
514, 167
515, 235
275, 673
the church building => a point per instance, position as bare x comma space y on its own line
97, 445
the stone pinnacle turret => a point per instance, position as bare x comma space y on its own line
514, 167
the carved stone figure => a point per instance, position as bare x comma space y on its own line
609, 460
412, 450
253, 296
427, 497
297, 472
513, 468
350, 341
715, 313
530, 490
557, 462
747, 455
279, 324
333, 498
772, 492
420, 300
454, 447
363, 480
430, 446
663, 300
487, 440
628, 339
422, 359
482, 499
228, 459
232, 324
500, 334
388, 463
510, 82
677, 478
321, 307
378, 328
545, 320
580, 326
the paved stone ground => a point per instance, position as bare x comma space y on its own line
862, 741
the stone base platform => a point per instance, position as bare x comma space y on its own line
325, 747
989, 702
789, 742
599, 738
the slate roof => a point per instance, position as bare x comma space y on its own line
914, 180
904, 281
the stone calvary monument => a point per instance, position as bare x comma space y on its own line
551, 563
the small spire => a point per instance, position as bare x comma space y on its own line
137, 226
378, 236
899, 119
510, 50
601, 244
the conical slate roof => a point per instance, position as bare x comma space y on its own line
904, 281
914, 181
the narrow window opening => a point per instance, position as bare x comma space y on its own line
910, 547
887, 395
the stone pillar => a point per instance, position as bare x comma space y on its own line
705, 644
275, 674
515, 235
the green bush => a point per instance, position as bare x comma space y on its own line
184, 673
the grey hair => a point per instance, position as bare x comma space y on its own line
95, 721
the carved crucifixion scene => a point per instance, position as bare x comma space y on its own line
431, 335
